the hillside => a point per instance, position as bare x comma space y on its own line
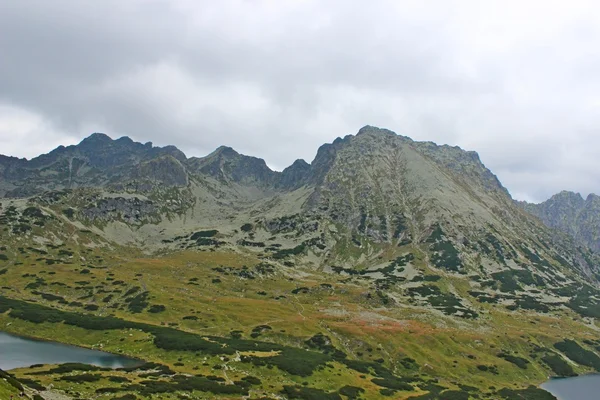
385, 268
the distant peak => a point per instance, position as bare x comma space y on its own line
300, 163
592, 196
569, 195
97, 137
124, 139
226, 150
374, 130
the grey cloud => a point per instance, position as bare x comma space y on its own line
516, 82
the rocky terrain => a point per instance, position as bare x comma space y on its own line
570, 213
385, 268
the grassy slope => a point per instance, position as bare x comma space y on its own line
212, 289
7, 390
442, 346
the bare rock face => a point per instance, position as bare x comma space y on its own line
570, 213
132, 211
165, 170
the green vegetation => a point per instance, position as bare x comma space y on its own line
445, 255
156, 308
247, 227
446, 302
531, 393
508, 284
204, 234
518, 361
559, 366
575, 352
225, 324
306, 393
283, 253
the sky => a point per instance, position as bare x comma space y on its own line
516, 81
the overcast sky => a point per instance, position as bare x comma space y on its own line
516, 81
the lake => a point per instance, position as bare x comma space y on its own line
18, 352
585, 387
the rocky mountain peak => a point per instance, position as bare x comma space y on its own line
295, 175
374, 130
227, 165
569, 212
592, 197
568, 196
225, 151
97, 138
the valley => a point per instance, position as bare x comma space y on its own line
386, 268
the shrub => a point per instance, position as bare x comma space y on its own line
187, 384
289, 252
70, 367
204, 234
252, 380
393, 382
518, 361
305, 393
559, 366
127, 396
575, 352
352, 392
138, 303
118, 379
247, 227
81, 378
508, 284
157, 308
11, 380
531, 393
444, 254
131, 291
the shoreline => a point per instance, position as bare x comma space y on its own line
29, 337
562, 378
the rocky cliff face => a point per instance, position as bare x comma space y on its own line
570, 213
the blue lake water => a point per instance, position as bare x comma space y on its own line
585, 387
18, 352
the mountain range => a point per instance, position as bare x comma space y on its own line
410, 240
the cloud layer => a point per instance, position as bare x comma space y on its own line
519, 82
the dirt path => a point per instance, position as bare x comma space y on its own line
303, 309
